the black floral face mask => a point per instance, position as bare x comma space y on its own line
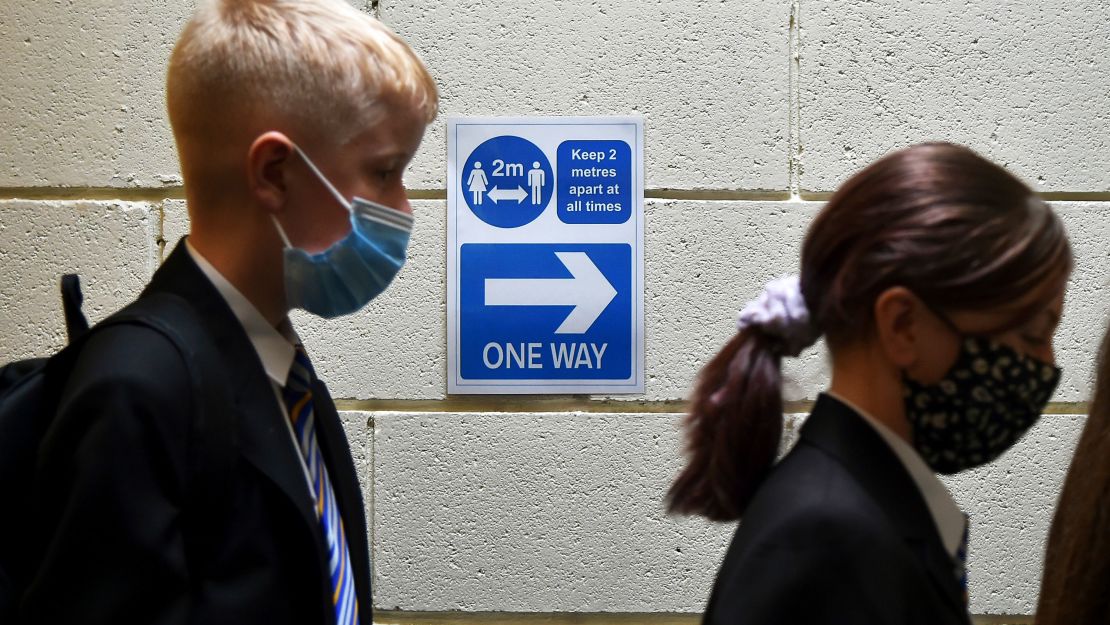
989, 398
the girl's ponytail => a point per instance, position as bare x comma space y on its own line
735, 420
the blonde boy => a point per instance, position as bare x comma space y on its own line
294, 120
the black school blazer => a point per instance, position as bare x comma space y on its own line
121, 541
838, 533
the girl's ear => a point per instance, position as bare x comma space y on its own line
899, 316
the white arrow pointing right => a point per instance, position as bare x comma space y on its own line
588, 291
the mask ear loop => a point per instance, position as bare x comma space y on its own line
945, 319
327, 183
281, 231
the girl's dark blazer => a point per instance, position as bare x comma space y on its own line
122, 543
838, 533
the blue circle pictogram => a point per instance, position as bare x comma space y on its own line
507, 181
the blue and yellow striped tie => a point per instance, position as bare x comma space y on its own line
298, 399
961, 558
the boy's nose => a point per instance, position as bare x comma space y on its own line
403, 203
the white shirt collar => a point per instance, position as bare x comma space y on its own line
275, 349
946, 514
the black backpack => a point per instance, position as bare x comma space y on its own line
29, 393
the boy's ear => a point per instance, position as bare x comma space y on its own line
898, 317
267, 162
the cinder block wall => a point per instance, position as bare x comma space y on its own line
754, 112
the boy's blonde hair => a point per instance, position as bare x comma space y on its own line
320, 64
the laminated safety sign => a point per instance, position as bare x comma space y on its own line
545, 258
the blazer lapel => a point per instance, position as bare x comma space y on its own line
267, 445
263, 437
840, 432
348, 492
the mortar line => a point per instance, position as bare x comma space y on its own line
794, 143
399, 617
162, 194
402, 617
161, 240
527, 404
122, 194
372, 508
1048, 196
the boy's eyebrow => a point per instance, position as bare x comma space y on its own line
388, 153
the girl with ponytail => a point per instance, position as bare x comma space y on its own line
937, 281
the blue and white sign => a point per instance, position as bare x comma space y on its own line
545, 259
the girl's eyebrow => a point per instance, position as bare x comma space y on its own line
1048, 320
1053, 316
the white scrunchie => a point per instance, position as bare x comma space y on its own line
780, 311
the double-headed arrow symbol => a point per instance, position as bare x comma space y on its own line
517, 194
588, 291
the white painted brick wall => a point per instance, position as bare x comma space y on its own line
1022, 82
111, 245
709, 77
1086, 307
563, 512
1011, 503
1019, 81
360, 437
83, 101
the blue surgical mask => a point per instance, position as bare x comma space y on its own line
354, 270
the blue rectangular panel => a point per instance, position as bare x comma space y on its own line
545, 311
595, 182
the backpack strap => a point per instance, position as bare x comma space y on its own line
212, 452
76, 323
20, 372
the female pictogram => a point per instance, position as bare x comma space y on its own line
477, 183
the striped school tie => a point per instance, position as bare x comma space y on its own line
961, 558
298, 399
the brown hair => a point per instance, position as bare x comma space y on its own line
1077, 559
959, 231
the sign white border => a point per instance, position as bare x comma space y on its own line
455, 383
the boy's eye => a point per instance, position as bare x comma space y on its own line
388, 173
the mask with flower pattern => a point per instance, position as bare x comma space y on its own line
987, 401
